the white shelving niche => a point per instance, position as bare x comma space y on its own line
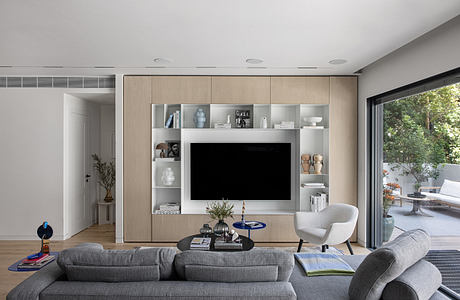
308, 140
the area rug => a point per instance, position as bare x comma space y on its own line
331, 249
448, 263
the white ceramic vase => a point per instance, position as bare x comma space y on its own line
168, 177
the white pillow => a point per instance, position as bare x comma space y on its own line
450, 188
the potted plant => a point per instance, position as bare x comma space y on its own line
219, 211
388, 198
106, 174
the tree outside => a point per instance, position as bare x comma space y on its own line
423, 131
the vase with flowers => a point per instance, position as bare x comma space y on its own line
220, 210
388, 198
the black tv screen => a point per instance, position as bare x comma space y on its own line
240, 171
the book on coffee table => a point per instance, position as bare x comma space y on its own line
200, 243
221, 244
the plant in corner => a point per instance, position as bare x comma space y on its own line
388, 198
220, 210
106, 173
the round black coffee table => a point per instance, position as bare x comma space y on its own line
184, 244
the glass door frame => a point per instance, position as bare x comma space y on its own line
375, 145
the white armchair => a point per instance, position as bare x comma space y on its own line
331, 226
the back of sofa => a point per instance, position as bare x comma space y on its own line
256, 265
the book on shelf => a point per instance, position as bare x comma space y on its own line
284, 125
38, 263
312, 127
167, 212
169, 206
313, 185
200, 243
222, 125
318, 202
169, 121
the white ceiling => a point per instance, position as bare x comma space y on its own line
79, 35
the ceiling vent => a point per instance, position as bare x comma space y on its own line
92, 82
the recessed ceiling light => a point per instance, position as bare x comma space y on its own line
338, 61
254, 61
162, 60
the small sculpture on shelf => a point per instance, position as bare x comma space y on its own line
318, 163
162, 147
306, 163
200, 118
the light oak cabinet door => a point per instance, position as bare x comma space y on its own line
240, 90
136, 159
343, 156
300, 90
173, 228
181, 89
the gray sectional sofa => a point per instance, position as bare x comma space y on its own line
90, 272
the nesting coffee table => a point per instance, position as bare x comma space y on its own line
417, 205
184, 244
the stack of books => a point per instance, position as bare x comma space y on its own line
318, 202
174, 120
200, 244
285, 125
222, 125
35, 263
313, 185
168, 209
221, 244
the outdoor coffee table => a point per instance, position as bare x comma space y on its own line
417, 205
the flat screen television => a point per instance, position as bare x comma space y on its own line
240, 171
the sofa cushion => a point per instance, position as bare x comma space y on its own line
387, 263
418, 282
170, 290
443, 198
231, 274
280, 265
450, 188
90, 262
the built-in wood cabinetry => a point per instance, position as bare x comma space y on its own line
338, 94
300, 90
181, 89
343, 156
240, 89
137, 182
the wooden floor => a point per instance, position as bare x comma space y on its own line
11, 251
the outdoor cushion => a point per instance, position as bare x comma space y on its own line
90, 262
387, 263
450, 188
416, 283
279, 263
443, 198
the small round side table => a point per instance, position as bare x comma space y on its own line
244, 226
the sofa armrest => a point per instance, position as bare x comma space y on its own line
35, 284
429, 188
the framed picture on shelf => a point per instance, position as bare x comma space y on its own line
243, 118
173, 149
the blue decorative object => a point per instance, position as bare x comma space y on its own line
249, 225
200, 118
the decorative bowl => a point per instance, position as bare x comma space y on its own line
312, 120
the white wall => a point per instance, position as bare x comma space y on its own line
31, 162
430, 54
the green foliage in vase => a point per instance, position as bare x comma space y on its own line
220, 210
105, 171
422, 132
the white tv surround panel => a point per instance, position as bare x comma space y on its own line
308, 140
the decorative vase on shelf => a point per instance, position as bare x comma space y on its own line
263, 122
318, 163
108, 196
168, 177
221, 228
200, 118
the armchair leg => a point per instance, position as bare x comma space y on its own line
349, 247
300, 245
323, 248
